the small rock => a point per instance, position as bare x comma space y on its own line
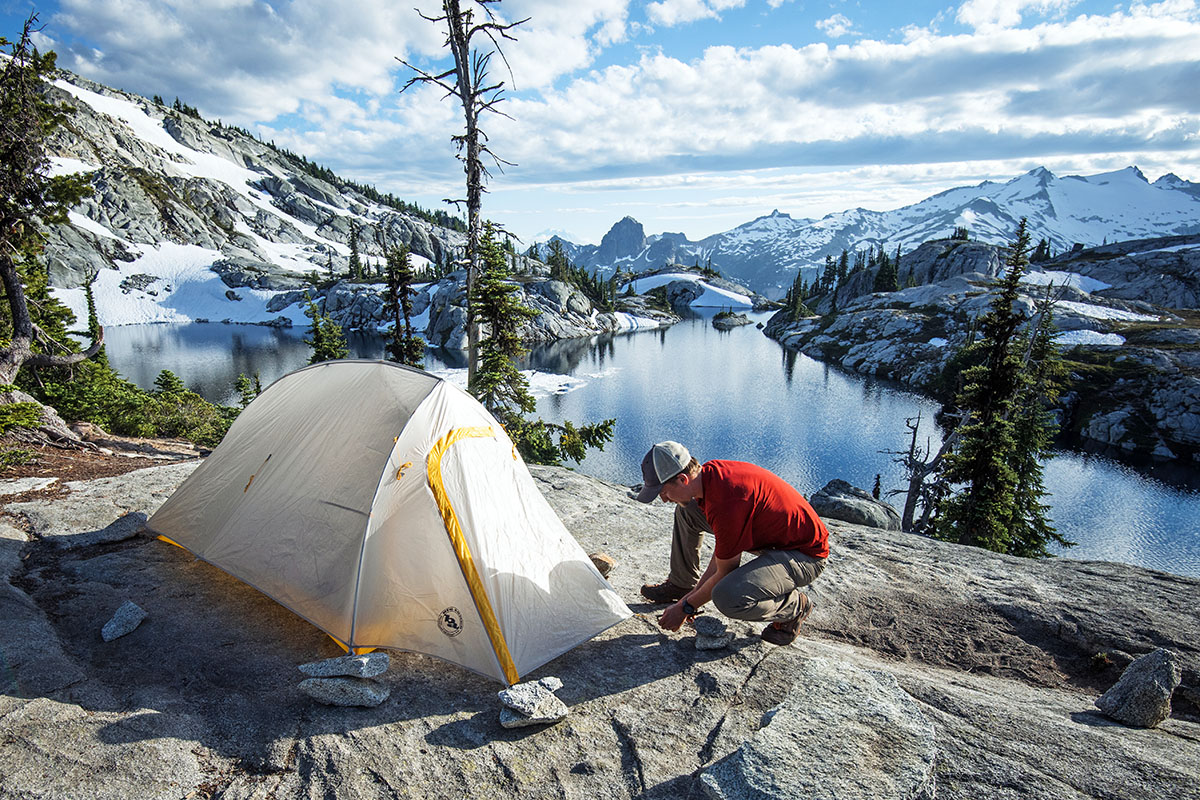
527, 698
550, 711
127, 618
364, 666
603, 561
345, 691
714, 642
532, 703
711, 633
1141, 697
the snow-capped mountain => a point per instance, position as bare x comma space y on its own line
765, 253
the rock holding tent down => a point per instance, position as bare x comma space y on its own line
353, 666
532, 703
711, 633
127, 618
1141, 697
343, 691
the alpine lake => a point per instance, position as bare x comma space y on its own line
732, 395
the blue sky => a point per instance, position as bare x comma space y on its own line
689, 115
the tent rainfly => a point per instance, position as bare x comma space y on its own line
388, 508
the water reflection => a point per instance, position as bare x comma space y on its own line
734, 395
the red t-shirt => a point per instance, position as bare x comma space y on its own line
750, 508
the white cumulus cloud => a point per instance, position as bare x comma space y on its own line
677, 12
836, 26
1006, 13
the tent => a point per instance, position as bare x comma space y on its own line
388, 508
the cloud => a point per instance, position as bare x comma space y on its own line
1091, 85
836, 26
677, 12
981, 14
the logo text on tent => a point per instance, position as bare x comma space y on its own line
450, 621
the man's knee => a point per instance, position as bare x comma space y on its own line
732, 599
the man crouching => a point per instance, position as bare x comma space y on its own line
749, 510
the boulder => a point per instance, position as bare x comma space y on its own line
532, 703
1142, 696
839, 500
842, 733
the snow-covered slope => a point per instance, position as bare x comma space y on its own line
193, 220
765, 253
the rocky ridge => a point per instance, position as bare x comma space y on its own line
926, 668
1128, 321
192, 220
766, 252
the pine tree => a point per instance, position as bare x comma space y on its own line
843, 266
29, 198
245, 389
403, 344
1034, 428
326, 338
829, 276
355, 262
984, 462
498, 384
501, 387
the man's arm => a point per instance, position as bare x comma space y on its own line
717, 569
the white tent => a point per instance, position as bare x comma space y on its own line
388, 508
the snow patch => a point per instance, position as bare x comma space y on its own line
1179, 248
172, 283
541, 384
60, 166
1103, 312
1088, 337
938, 341
1080, 282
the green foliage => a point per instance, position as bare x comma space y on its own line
961, 234
14, 416
356, 267
168, 381
602, 293
15, 456
327, 340
1006, 432
403, 345
501, 387
887, 279
246, 389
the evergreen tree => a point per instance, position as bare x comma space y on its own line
557, 260
498, 384
501, 387
403, 344
843, 266
1041, 252
29, 198
533, 252
829, 276
356, 269
992, 446
245, 389
1034, 428
326, 338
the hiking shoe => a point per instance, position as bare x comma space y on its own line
783, 632
665, 592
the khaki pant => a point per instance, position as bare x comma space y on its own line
766, 588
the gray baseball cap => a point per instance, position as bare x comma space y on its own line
664, 461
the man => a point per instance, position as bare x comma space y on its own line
749, 510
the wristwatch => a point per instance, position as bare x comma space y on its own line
689, 610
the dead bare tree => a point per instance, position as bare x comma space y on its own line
29, 197
468, 81
919, 463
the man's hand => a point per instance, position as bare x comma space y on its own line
673, 618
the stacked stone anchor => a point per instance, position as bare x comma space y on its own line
532, 703
347, 680
711, 633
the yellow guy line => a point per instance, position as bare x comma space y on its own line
465, 561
